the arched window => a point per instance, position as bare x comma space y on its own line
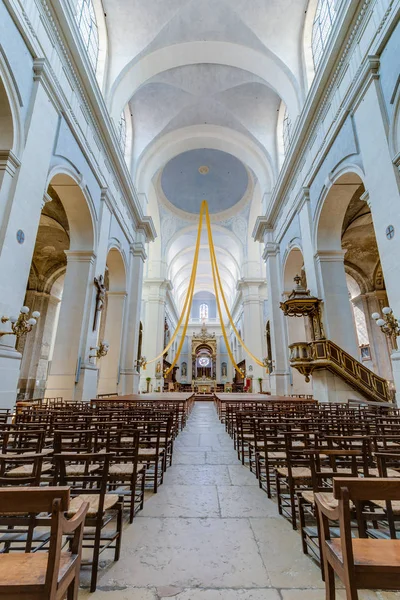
86, 19
203, 312
121, 132
287, 131
323, 22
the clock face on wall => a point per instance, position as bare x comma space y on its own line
204, 361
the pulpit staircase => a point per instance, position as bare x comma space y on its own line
308, 357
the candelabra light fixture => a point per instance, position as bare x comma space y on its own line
100, 350
389, 324
21, 324
269, 365
141, 362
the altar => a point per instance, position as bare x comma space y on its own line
204, 386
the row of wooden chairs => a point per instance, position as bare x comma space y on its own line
298, 452
106, 456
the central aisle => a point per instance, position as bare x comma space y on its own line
210, 533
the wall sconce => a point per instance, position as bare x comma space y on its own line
100, 350
389, 324
141, 362
21, 324
269, 365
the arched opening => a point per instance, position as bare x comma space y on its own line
59, 288
297, 330
6, 121
112, 322
349, 263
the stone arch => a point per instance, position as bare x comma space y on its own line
137, 72
297, 331
293, 265
11, 129
111, 328
78, 206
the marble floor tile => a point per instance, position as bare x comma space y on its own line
210, 553
241, 475
182, 501
181, 457
265, 594
245, 501
280, 548
197, 475
222, 457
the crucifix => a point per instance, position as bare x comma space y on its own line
100, 299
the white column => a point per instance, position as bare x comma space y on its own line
109, 364
307, 244
280, 377
337, 312
379, 342
9, 165
129, 377
78, 291
20, 208
382, 183
154, 296
253, 295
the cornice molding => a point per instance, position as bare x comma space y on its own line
58, 21
261, 227
9, 162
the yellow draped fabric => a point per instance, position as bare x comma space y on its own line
218, 289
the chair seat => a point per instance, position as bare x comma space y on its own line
276, 454
110, 500
149, 452
297, 472
125, 469
395, 505
26, 470
23, 572
370, 554
80, 469
390, 473
328, 498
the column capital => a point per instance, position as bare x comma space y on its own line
80, 256
46, 199
365, 197
271, 250
330, 255
261, 228
9, 162
138, 249
303, 197
107, 198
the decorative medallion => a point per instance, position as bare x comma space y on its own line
204, 170
390, 232
20, 236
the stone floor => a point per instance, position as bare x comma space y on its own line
211, 534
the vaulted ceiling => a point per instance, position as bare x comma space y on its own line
204, 76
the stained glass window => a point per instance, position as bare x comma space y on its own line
121, 132
204, 312
86, 19
287, 131
324, 19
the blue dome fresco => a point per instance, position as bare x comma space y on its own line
204, 174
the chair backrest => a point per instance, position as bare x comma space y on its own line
365, 489
33, 499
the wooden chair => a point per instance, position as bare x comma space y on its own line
43, 575
89, 485
361, 563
